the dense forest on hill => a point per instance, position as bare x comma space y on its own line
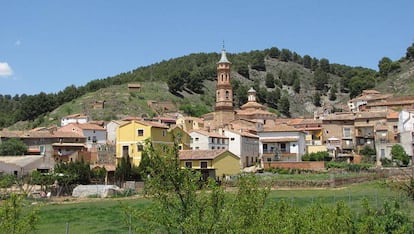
261, 69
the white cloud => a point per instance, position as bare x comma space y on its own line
17, 43
5, 70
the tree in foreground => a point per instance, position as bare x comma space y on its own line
16, 217
181, 202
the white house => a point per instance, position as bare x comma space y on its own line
203, 140
245, 145
406, 130
75, 118
95, 135
282, 143
111, 128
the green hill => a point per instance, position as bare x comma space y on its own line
188, 82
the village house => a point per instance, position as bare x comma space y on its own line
365, 123
95, 135
75, 118
46, 147
188, 123
182, 138
313, 131
386, 135
281, 143
406, 130
245, 145
203, 140
24, 165
216, 164
359, 103
111, 129
338, 134
132, 136
392, 104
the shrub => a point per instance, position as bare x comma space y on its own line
318, 156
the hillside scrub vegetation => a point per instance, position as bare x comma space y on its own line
274, 68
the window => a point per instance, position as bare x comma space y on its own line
232, 139
203, 164
140, 132
140, 147
94, 139
125, 151
189, 164
227, 94
382, 153
164, 133
196, 139
347, 132
42, 149
283, 147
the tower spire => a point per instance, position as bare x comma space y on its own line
223, 58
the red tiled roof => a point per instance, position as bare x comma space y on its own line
147, 123
206, 133
200, 154
281, 128
39, 134
281, 139
393, 115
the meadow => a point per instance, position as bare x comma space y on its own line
96, 215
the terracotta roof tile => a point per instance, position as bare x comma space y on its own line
281, 128
200, 154
393, 115
279, 139
206, 133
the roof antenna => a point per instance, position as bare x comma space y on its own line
223, 46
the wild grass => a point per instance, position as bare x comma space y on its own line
107, 216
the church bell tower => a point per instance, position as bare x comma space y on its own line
224, 92
224, 111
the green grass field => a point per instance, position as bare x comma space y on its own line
106, 215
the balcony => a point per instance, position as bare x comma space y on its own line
282, 157
347, 145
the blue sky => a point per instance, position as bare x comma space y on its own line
48, 45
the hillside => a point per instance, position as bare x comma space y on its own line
120, 103
400, 82
309, 84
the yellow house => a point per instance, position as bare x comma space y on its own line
182, 137
211, 163
131, 136
188, 123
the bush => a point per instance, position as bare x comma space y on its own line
6, 181
318, 156
349, 166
